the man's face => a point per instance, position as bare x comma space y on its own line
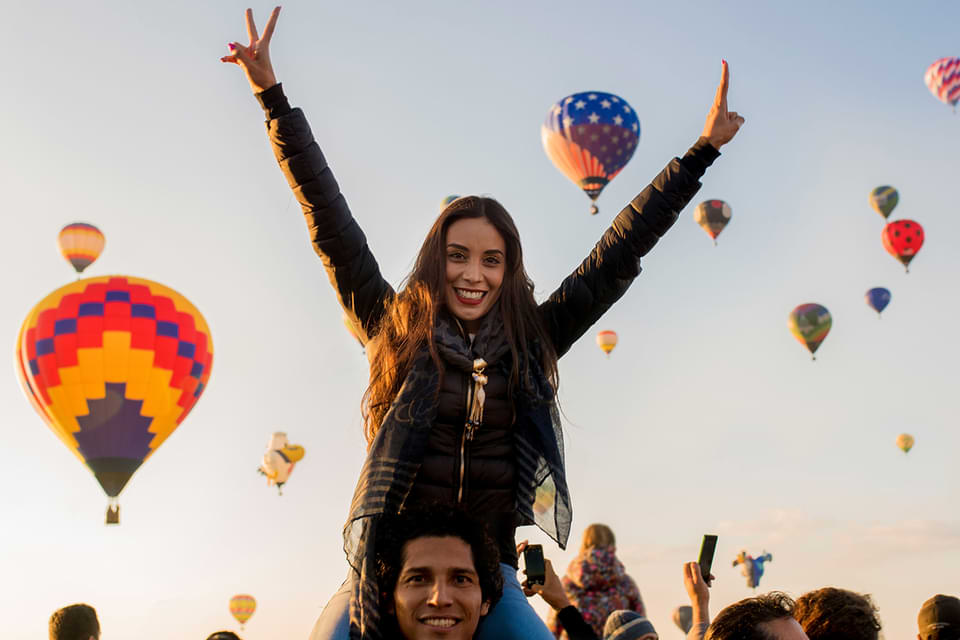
785, 629
438, 591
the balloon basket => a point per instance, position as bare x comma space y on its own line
113, 513
594, 210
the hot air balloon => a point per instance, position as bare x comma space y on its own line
713, 216
878, 298
279, 460
902, 239
905, 442
943, 80
113, 365
590, 137
607, 340
752, 567
884, 200
810, 323
683, 617
242, 607
81, 244
446, 201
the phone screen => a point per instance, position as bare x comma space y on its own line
707, 548
534, 565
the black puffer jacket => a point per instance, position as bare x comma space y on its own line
488, 482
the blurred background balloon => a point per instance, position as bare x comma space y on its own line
81, 244
878, 298
683, 617
242, 607
943, 80
810, 323
446, 201
113, 365
884, 200
902, 239
752, 568
590, 137
607, 340
279, 460
712, 216
905, 442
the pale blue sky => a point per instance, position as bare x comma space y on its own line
707, 417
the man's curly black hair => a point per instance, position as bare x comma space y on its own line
435, 521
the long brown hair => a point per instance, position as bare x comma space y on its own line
409, 317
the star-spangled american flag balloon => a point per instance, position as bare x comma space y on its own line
590, 137
943, 80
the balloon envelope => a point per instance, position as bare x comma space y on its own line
943, 80
712, 216
590, 137
114, 365
810, 323
446, 201
607, 340
683, 617
878, 298
884, 200
905, 442
280, 458
902, 239
242, 607
81, 244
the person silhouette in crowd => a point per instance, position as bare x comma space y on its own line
223, 635
837, 614
597, 583
764, 617
939, 619
75, 622
461, 404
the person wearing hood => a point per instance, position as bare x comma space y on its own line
597, 583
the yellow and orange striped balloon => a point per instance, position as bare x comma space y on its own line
607, 340
113, 365
242, 607
81, 244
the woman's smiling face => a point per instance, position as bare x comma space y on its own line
476, 263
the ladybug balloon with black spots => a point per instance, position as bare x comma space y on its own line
902, 239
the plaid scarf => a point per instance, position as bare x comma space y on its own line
397, 451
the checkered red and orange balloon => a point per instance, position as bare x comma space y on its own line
113, 365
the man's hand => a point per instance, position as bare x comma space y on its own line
255, 57
551, 590
722, 125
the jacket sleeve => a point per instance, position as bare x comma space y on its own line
336, 236
576, 627
604, 276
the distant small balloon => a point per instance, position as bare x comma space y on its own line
878, 298
81, 244
884, 200
712, 216
683, 617
607, 340
810, 323
902, 239
943, 80
279, 460
905, 442
446, 201
242, 607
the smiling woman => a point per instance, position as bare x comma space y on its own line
461, 404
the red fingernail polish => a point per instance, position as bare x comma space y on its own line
724, 61
232, 46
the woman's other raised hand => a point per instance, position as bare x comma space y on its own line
254, 58
722, 125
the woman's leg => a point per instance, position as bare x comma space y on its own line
334, 620
513, 618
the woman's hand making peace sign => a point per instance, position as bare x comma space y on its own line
255, 57
721, 124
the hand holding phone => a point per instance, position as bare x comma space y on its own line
534, 566
707, 549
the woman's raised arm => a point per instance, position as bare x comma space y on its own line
336, 236
604, 276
